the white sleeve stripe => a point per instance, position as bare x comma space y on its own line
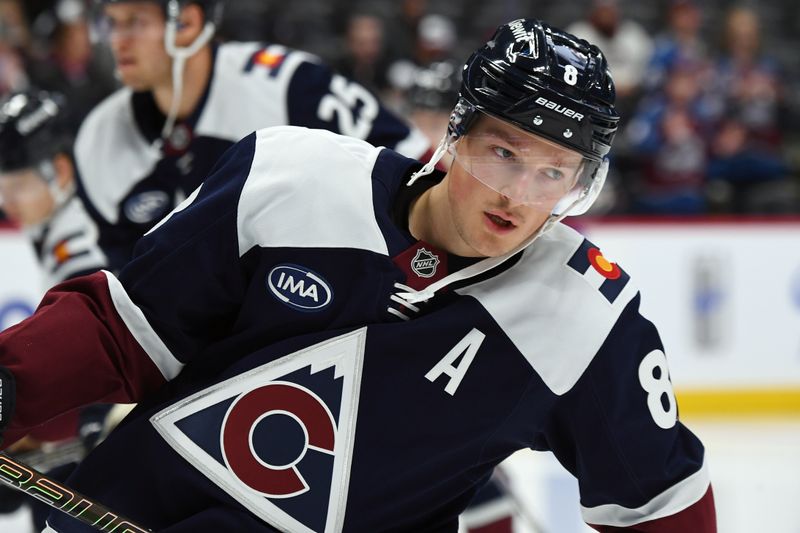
137, 324
671, 501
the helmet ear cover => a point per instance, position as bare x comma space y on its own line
462, 117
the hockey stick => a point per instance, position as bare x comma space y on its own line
23, 478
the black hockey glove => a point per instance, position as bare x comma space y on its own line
7, 396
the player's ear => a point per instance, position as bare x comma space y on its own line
190, 24
65, 172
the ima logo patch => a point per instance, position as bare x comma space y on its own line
299, 287
278, 438
147, 206
605, 276
424, 263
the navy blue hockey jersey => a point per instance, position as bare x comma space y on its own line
278, 392
129, 179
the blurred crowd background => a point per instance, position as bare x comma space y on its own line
709, 91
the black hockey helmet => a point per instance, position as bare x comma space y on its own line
33, 130
435, 86
544, 81
549, 83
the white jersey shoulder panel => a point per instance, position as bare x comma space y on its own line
554, 316
263, 89
309, 189
111, 155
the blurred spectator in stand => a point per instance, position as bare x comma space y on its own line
668, 135
625, 43
13, 40
12, 67
14, 17
436, 39
747, 167
37, 185
680, 43
628, 48
30, 9
364, 58
248, 20
402, 33
70, 63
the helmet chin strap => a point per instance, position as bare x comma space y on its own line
179, 55
437, 155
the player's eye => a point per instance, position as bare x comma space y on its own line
503, 153
553, 173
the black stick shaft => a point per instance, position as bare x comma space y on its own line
24, 478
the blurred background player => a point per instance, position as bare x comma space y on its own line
37, 186
149, 145
37, 192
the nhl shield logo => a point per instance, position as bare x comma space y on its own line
424, 263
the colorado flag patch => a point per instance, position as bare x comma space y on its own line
268, 59
605, 276
278, 438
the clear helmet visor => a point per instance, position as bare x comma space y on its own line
524, 167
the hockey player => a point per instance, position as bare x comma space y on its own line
37, 192
37, 185
187, 100
327, 336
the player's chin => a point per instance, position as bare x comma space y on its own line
495, 245
131, 79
